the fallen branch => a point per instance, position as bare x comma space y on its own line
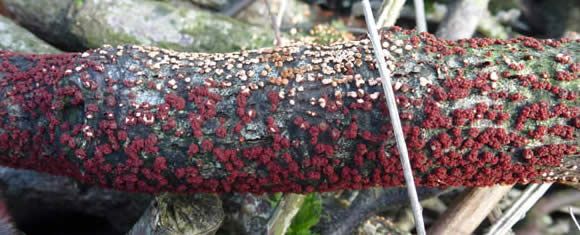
297, 119
470, 209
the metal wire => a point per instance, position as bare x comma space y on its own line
394, 114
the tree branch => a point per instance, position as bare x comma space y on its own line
297, 119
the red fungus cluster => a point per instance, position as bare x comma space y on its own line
259, 121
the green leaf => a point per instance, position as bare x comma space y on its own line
307, 216
273, 199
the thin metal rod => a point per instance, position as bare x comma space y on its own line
519, 209
573, 218
394, 114
420, 15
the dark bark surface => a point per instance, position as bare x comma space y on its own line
340, 219
295, 119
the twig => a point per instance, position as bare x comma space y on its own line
394, 114
287, 208
389, 12
467, 213
516, 212
574, 218
420, 15
462, 19
534, 218
274, 25
281, 13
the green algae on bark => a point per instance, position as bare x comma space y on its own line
297, 119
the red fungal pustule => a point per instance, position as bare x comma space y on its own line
563, 58
175, 101
352, 131
565, 76
575, 68
221, 132
516, 97
335, 133
434, 118
539, 132
445, 140
271, 127
92, 108
564, 131
193, 149
537, 111
207, 145
461, 116
160, 164
170, 124
545, 75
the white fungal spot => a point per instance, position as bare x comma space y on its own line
493, 76
424, 81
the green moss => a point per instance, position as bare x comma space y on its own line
307, 216
170, 45
108, 36
231, 36
502, 5
79, 3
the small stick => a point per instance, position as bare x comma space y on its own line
469, 210
420, 15
394, 113
281, 13
287, 208
574, 218
273, 18
517, 211
389, 12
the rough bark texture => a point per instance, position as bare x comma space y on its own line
41, 202
295, 119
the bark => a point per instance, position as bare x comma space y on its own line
42, 199
297, 119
